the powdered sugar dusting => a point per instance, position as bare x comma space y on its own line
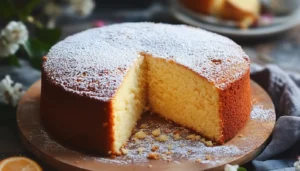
94, 62
262, 114
172, 150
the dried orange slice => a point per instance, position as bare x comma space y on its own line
19, 164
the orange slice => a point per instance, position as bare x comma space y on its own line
19, 164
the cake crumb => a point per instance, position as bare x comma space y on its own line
140, 135
164, 158
176, 132
124, 151
254, 101
45, 58
209, 143
150, 166
141, 150
203, 140
240, 135
154, 148
169, 152
144, 126
113, 156
136, 140
198, 160
162, 138
170, 147
207, 157
197, 137
156, 132
167, 131
177, 136
177, 162
153, 156
105, 124
191, 137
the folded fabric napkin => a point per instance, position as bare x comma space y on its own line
284, 89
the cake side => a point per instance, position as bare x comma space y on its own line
235, 106
79, 121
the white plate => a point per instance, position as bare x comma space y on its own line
229, 28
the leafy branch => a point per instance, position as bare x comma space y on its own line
41, 39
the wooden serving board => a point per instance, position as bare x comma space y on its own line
176, 155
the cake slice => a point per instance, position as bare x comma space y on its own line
246, 12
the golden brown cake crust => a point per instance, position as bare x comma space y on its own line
235, 106
79, 121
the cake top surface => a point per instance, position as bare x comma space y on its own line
94, 62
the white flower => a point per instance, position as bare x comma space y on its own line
9, 93
52, 10
7, 49
15, 33
297, 165
229, 167
82, 7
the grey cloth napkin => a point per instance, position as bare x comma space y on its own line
284, 146
284, 89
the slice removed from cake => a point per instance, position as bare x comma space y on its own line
177, 94
180, 95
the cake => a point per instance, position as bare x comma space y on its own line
97, 83
246, 12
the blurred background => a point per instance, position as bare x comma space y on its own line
272, 37
268, 31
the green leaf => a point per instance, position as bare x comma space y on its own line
28, 9
7, 9
36, 48
13, 60
36, 62
27, 47
48, 36
241, 169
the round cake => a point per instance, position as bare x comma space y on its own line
97, 84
